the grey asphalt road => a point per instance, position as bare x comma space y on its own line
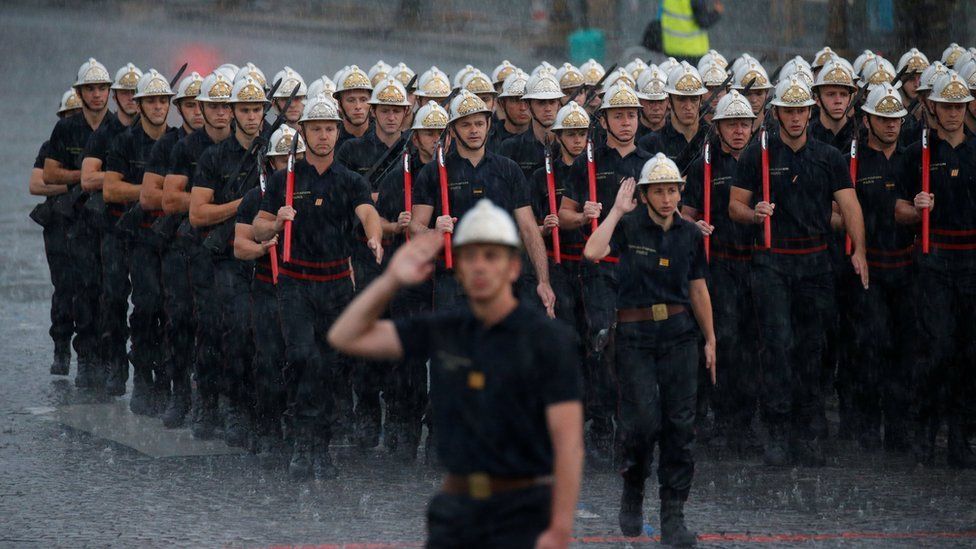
64, 487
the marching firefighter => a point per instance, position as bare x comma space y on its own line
505, 388
662, 276
289, 80
654, 101
833, 90
517, 118
353, 91
543, 95
683, 134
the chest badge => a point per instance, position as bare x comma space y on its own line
318, 201
954, 173
476, 380
664, 262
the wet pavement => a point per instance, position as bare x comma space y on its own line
61, 486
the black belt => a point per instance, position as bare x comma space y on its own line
657, 313
483, 486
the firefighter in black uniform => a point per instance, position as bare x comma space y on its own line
505, 389
616, 160
654, 100
289, 80
662, 276
269, 345
518, 118
353, 90
216, 194
124, 168
113, 270
407, 393
751, 71
62, 166
914, 63
315, 283
943, 378
56, 246
177, 186
542, 93
883, 316
682, 137
177, 297
833, 91
730, 245
793, 276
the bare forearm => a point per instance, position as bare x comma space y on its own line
37, 187
569, 217
55, 174
211, 214
742, 213
906, 213
701, 305
854, 223
175, 198
358, 330
567, 470
151, 197
245, 248
535, 247
598, 246
92, 176
264, 229
119, 191
373, 226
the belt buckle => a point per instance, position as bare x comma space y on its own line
479, 486
659, 312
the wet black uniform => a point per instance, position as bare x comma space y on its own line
673, 144
490, 388
737, 389
313, 288
797, 282
496, 178
599, 282
499, 134
527, 151
840, 140
946, 296
657, 360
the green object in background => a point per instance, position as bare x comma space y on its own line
586, 44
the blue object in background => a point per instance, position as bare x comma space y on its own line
585, 44
648, 530
881, 15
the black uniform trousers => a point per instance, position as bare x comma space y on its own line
232, 279
513, 519
114, 301
599, 292
448, 293
84, 241
178, 311
657, 370
406, 393
736, 392
269, 357
64, 279
794, 297
368, 377
147, 321
307, 311
207, 316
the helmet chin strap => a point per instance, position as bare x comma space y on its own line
875, 134
119, 103
464, 143
782, 126
606, 120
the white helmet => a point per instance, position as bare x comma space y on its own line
323, 84
885, 101
822, 57
713, 75
338, 73
250, 69
514, 85
636, 67
929, 74
797, 66
216, 88
189, 87
69, 101
486, 223
751, 70
914, 60
229, 68
660, 169
950, 88
733, 105
433, 84
378, 72
685, 80
718, 58
968, 73
402, 72
569, 77
320, 107
353, 78
571, 117
247, 90
543, 86
668, 65
289, 79
592, 71
708, 59
127, 78
545, 66
651, 84
617, 76
952, 53
859, 62
793, 92
459, 76
877, 71
466, 103
281, 140
92, 72
389, 91
835, 74
478, 83
743, 59
431, 116
153, 84
502, 71
620, 96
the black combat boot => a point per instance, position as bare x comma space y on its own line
808, 452
62, 358
960, 455
85, 378
924, 445
673, 529
776, 453
142, 403
322, 465
896, 437
206, 415
300, 466
631, 516
178, 403
117, 375
235, 424
269, 444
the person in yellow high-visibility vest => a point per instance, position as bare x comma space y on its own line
683, 24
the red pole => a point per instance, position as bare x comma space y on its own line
591, 176
273, 250
848, 245
407, 184
445, 206
926, 164
767, 225
551, 188
289, 199
707, 195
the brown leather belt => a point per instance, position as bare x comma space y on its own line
657, 313
482, 486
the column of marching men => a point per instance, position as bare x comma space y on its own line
241, 234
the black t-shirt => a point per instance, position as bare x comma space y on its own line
42, 153
158, 161
611, 169
360, 153
570, 241
526, 151
322, 231
656, 265
802, 186
888, 243
498, 134
215, 171
346, 136
246, 213
186, 154
674, 145
68, 139
389, 201
730, 240
127, 156
490, 387
952, 179
101, 139
840, 141
496, 178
